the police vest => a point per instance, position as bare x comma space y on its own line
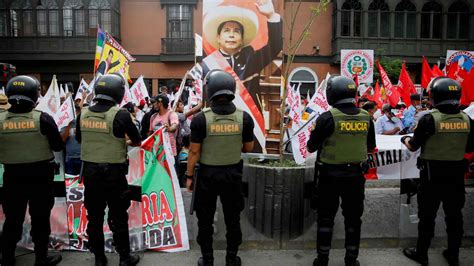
348, 143
99, 145
223, 142
449, 141
21, 140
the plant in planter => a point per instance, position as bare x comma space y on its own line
276, 204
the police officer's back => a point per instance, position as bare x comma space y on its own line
342, 136
444, 135
27, 139
101, 130
218, 136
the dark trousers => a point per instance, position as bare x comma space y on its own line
430, 196
351, 192
225, 182
106, 185
27, 185
72, 166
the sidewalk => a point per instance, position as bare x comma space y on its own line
370, 257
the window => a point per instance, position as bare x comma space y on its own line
458, 17
379, 19
14, 23
180, 21
431, 20
73, 18
405, 20
47, 15
103, 14
307, 78
351, 18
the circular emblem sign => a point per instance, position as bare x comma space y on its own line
358, 62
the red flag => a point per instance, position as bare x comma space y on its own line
355, 77
426, 73
405, 86
368, 94
392, 94
378, 95
453, 70
437, 72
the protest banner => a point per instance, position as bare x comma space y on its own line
465, 59
114, 58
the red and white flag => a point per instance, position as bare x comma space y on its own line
391, 92
138, 91
66, 113
51, 101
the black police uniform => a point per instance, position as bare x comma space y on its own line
222, 181
30, 184
339, 181
106, 185
440, 181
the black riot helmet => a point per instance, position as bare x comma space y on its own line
110, 87
23, 88
219, 82
340, 89
444, 91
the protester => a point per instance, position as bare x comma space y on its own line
167, 118
101, 130
444, 135
361, 102
220, 172
184, 130
371, 108
73, 148
4, 105
339, 174
388, 124
130, 107
29, 169
410, 112
145, 123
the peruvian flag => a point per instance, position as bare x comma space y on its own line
391, 92
426, 74
405, 85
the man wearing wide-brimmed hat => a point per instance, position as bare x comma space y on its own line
4, 105
231, 30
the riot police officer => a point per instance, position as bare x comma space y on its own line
27, 138
342, 136
101, 130
218, 136
444, 135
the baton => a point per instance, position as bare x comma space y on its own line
81, 172
195, 179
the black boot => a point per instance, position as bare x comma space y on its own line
233, 261
412, 254
453, 259
129, 260
100, 260
49, 260
206, 261
352, 263
321, 261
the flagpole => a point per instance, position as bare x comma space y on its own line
180, 91
298, 131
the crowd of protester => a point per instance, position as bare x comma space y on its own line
149, 115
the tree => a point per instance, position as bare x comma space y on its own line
391, 66
292, 46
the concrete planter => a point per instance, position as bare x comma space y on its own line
276, 206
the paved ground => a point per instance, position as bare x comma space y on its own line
379, 257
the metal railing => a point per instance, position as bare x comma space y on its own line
177, 45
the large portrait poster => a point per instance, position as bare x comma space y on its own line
114, 58
358, 62
244, 37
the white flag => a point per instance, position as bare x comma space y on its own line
139, 91
319, 103
82, 87
62, 93
51, 101
66, 113
197, 45
127, 96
